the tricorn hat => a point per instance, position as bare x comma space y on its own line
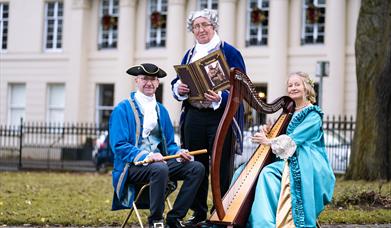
148, 69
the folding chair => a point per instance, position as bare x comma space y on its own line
142, 200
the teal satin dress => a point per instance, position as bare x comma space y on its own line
311, 176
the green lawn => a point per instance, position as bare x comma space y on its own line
84, 199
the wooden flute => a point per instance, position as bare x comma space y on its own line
195, 152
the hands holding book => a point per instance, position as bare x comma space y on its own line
210, 95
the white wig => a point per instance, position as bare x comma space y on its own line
209, 14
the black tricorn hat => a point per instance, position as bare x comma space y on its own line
148, 69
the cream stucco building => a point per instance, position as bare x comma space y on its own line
65, 60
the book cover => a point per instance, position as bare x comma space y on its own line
208, 73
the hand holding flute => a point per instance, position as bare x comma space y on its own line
184, 155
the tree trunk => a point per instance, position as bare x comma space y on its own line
371, 149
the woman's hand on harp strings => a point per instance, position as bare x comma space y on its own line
261, 138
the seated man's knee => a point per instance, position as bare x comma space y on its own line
199, 168
159, 168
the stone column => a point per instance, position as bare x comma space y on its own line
176, 36
76, 86
227, 20
335, 47
278, 44
126, 41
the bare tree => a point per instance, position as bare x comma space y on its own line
371, 150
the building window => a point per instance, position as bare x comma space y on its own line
313, 17
207, 4
157, 27
104, 103
54, 12
108, 26
55, 103
257, 22
251, 116
4, 9
16, 103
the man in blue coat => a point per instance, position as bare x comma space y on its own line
141, 129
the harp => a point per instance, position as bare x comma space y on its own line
234, 208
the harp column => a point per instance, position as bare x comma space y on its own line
278, 43
126, 38
227, 20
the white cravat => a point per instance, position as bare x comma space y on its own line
148, 107
202, 50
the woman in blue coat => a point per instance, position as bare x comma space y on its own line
292, 191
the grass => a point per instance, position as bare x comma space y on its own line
84, 199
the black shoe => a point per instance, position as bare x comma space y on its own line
196, 221
157, 224
174, 223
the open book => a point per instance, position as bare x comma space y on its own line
208, 73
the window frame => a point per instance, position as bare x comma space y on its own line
316, 27
210, 4
55, 107
58, 28
4, 24
161, 33
98, 107
12, 106
112, 32
262, 30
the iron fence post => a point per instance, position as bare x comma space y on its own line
20, 143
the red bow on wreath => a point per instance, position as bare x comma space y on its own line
157, 19
108, 21
312, 14
257, 16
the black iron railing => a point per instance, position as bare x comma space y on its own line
74, 146
41, 145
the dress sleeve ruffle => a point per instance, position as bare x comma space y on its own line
283, 146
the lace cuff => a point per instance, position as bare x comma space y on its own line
215, 105
283, 146
176, 93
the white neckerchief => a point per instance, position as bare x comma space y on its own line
202, 50
148, 107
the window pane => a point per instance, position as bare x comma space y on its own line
314, 12
57, 95
15, 116
18, 95
257, 22
53, 25
106, 95
105, 102
108, 27
56, 116
157, 10
3, 25
17, 103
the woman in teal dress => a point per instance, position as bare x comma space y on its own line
293, 190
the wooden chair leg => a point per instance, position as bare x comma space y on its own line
138, 215
169, 203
